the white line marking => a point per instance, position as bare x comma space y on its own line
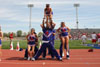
45, 63
84, 55
87, 58
74, 58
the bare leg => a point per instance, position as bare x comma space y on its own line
32, 54
29, 52
63, 43
67, 43
47, 18
50, 18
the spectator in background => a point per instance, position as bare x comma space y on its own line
11, 37
94, 38
83, 38
98, 37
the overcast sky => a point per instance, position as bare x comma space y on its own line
14, 14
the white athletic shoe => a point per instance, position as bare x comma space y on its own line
33, 59
60, 59
28, 58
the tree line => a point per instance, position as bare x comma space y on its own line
19, 33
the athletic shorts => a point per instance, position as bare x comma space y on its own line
94, 40
48, 14
31, 43
64, 34
0, 42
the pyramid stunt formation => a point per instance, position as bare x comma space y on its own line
48, 37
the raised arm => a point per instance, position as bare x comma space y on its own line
47, 24
52, 24
42, 25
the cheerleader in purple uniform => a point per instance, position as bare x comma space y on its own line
1, 36
48, 13
31, 43
64, 31
46, 42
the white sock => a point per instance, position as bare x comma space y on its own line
63, 54
67, 53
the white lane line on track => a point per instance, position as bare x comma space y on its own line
87, 58
44, 63
70, 55
72, 58
84, 55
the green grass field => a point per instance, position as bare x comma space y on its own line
73, 44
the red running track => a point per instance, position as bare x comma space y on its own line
78, 58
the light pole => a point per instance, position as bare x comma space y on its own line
76, 5
30, 6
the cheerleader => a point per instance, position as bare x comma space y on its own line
31, 38
64, 31
48, 12
1, 36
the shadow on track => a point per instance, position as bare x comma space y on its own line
15, 58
